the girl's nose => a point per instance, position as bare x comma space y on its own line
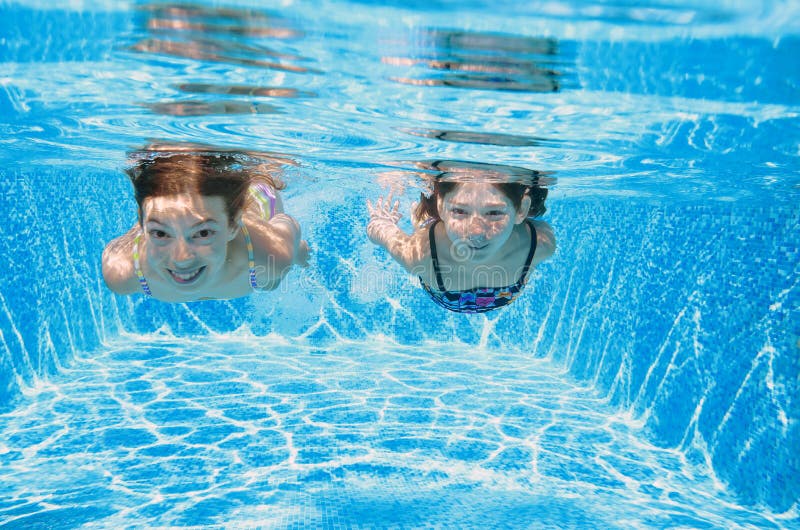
476, 226
182, 253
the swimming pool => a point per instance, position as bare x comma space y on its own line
648, 377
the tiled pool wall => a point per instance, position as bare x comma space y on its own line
685, 314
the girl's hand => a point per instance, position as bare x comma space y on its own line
382, 216
384, 211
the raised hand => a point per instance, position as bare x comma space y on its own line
382, 216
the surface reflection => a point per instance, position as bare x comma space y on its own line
207, 108
206, 19
476, 233
474, 137
466, 170
243, 90
481, 61
225, 36
266, 161
210, 51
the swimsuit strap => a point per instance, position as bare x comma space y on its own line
251, 260
137, 266
434, 257
531, 252
266, 197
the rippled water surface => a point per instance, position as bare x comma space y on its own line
647, 100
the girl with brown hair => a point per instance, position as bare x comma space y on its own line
475, 241
210, 227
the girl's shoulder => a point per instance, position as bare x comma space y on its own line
273, 243
118, 269
545, 240
414, 252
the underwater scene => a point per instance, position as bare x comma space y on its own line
350, 264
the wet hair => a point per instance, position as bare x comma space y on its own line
208, 174
515, 191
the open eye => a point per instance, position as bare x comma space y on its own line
158, 234
458, 211
205, 233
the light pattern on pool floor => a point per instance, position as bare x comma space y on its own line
241, 431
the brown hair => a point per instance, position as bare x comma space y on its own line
209, 174
515, 191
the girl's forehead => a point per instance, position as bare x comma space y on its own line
184, 207
476, 193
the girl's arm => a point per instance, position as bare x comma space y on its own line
288, 227
277, 246
408, 250
117, 262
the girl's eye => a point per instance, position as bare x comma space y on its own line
204, 234
495, 213
458, 211
158, 234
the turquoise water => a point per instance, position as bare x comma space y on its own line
648, 377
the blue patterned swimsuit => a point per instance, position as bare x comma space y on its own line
479, 299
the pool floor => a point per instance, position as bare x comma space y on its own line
241, 432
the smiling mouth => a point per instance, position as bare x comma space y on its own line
186, 278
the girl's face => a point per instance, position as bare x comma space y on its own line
187, 238
478, 218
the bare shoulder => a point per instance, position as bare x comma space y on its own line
545, 241
118, 271
273, 239
414, 251
275, 243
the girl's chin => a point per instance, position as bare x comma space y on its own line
473, 253
482, 256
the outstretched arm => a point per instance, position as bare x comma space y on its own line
118, 270
383, 231
289, 229
278, 246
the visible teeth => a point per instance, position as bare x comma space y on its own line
186, 276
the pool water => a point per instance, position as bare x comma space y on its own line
647, 377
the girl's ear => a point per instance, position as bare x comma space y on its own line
524, 207
233, 228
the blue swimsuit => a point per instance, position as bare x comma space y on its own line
479, 299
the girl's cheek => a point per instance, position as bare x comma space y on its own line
458, 228
154, 250
491, 229
218, 251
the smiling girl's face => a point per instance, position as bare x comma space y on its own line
186, 237
479, 218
